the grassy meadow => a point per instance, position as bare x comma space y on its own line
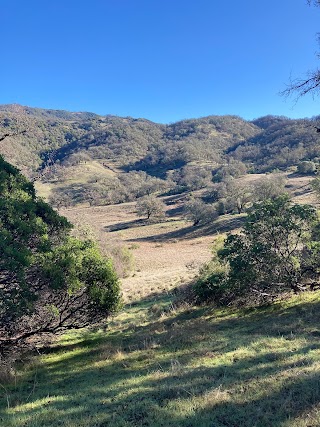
159, 365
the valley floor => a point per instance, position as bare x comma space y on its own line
164, 254
170, 253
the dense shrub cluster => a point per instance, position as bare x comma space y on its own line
278, 250
48, 280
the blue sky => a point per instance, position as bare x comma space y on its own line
164, 60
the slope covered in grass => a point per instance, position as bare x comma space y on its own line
155, 365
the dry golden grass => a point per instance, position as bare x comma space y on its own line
78, 174
168, 253
162, 259
297, 185
159, 365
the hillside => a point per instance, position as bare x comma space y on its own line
80, 157
125, 140
168, 253
164, 362
282, 143
43, 132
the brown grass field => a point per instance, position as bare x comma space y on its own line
166, 254
169, 253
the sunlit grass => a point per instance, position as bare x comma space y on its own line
78, 174
178, 367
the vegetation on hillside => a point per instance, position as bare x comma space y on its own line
156, 364
162, 361
283, 143
81, 157
48, 280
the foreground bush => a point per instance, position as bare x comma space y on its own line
277, 251
48, 280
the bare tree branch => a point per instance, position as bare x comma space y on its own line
303, 86
311, 83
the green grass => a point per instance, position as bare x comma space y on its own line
155, 365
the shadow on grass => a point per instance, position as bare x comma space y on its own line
176, 211
223, 225
126, 224
189, 368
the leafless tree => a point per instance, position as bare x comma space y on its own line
311, 82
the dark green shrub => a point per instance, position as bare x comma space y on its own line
48, 280
277, 250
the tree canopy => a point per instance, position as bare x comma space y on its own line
151, 207
48, 280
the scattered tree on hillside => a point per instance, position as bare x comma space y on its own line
230, 195
151, 207
315, 185
139, 183
238, 197
193, 177
234, 169
216, 191
307, 167
269, 187
60, 200
76, 159
199, 213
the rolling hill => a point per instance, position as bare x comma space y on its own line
79, 157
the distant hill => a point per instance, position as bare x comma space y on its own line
123, 139
42, 113
73, 154
282, 143
44, 131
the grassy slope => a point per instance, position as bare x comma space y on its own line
157, 366
165, 254
79, 174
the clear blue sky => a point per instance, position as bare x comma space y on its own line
164, 60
